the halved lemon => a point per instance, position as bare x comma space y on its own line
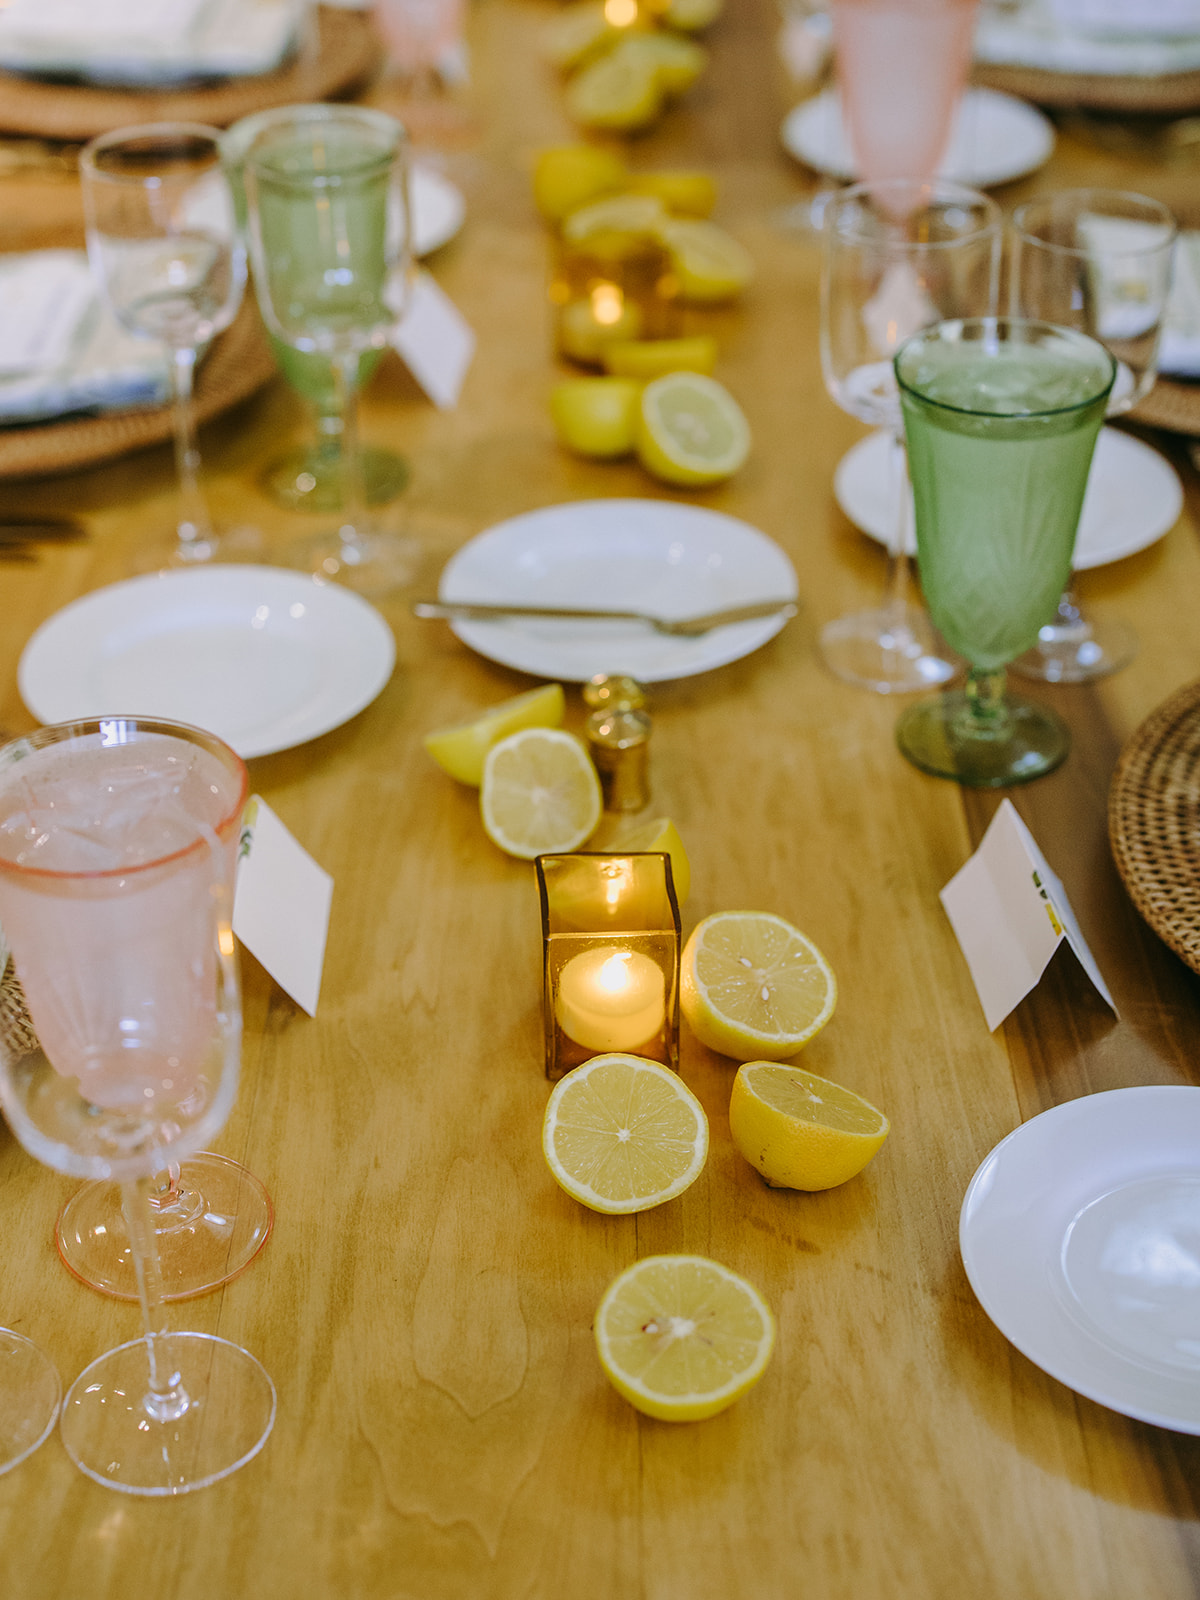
622, 214
682, 1337
596, 417
678, 62
710, 264
566, 177
752, 986
800, 1131
686, 193
619, 93
692, 430
659, 833
623, 1134
646, 359
461, 748
692, 15
578, 34
540, 793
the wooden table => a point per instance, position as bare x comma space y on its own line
425, 1304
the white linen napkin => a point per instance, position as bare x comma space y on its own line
1033, 34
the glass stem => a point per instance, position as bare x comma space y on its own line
166, 1399
985, 697
195, 525
895, 599
345, 375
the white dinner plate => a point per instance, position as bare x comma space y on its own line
1133, 496
655, 555
995, 138
1080, 1234
264, 658
438, 209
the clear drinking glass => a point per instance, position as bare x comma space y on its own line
1001, 418
1098, 260
168, 258
310, 478
117, 844
331, 244
897, 256
30, 1392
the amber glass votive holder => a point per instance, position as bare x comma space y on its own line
610, 944
611, 285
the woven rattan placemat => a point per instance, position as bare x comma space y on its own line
1171, 94
1154, 821
239, 362
1171, 405
346, 53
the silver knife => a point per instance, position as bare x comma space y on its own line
482, 611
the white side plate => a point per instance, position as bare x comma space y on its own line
438, 209
1080, 1234
262, 657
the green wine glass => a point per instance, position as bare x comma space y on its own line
1001, 418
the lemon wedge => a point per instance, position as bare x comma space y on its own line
800, 1131
659, 833
646, 359
567, 177
752, 986
710, 264
461, 748
618, 93
596, 417
692, 432
540, 793
623, 1134
682, 1337
686, 194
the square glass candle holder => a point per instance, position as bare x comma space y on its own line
610, 943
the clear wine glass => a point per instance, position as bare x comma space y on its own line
1001, 418
423, 40
30, 1392
1098, 260
117, 844
167, 256
310, 478
897, 256
330, 240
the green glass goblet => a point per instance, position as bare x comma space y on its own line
1001, 418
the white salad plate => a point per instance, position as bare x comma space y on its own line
264, 658
654, 556
995, 138
1133, 496
438, 209
1080, 1234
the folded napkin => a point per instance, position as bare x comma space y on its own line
1158, 38
61, 350
148, 41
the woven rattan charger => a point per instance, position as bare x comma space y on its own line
1154, 821
1169, 94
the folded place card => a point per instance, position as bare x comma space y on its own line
281, 904
1010, 914
435, 342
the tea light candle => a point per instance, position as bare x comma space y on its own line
610, 999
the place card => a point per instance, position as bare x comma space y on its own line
281, 904
1010, 914
435, 342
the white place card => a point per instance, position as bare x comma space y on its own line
1010, 914
281, 904
435, 342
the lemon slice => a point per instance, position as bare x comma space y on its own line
801, 1131
638, 214
682, 1337
461, 748
692, 431
567, 177
646, 359
659, 833
540, 793
623, 1134
711, 265
688, 194
618, 92
596, 417
753, 986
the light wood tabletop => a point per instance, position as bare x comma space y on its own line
425, 1303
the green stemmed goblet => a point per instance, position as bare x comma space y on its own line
1001, 418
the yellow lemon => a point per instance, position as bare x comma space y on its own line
619, 214
617, 93
623, 1134
685, 194
752, 986
460, 749
692, 15
660, 833
710, 264
570, 176
596, 417
692, 432
586, 327
676, 61
800, 1131
682, 1337
579, 34
646, 359
540, 793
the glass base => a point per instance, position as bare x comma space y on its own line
168, 554
29, 1395
208, 1229
943, 738
886, 652
226, 1411
372, 564
1079, 652
311, 480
